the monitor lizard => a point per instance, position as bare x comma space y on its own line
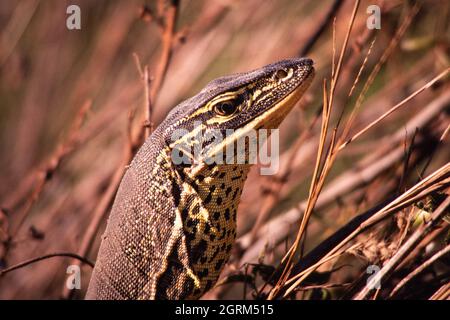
172, 225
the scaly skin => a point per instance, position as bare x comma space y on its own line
172, 226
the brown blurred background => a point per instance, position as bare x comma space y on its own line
49, 73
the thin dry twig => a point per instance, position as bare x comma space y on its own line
332, 13
274, 193
394, 108
168, 15
44, 257
146, 80
349, 181
386, 54
443, 293
418, 270
366, 58
51, 166
406, 248
319, 173
435, 181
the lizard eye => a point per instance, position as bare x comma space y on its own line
281, 74
226, 108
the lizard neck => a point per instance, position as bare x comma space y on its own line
208, 206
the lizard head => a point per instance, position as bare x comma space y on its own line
231, 107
